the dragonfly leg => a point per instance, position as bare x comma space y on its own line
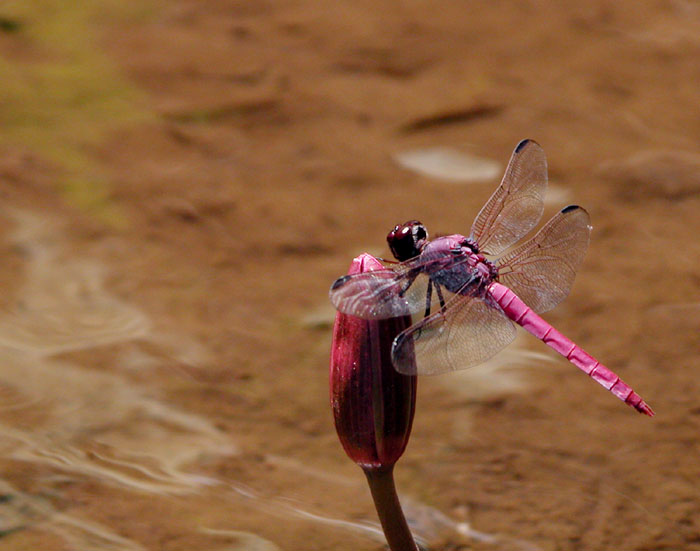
442, 299
427, 297
409, 282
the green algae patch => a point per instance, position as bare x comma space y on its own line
61, 95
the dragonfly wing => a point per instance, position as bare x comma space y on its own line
542, 270
466, 333
517, 204
380, 294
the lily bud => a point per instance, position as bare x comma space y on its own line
373, 404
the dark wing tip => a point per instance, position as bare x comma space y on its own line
570, 208
339, 282
524, 143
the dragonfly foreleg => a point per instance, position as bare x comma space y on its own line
409, 281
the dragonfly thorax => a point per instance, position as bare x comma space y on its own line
453, 261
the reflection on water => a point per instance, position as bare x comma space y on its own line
428, 525
78, 422
98, 425
444, 163
19, 510
242, 541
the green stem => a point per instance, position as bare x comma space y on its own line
381, 484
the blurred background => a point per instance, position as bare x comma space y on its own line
181, 182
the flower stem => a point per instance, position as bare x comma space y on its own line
381, 484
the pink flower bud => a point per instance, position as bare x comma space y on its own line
372, 403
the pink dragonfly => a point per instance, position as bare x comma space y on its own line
468, 302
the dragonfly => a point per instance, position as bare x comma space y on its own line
467, 293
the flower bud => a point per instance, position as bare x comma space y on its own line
372, 403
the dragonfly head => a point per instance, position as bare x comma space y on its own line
407, 240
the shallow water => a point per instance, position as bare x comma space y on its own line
100, 428
170, 227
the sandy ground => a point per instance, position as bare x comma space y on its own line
182, 181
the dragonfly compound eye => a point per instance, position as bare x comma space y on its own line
407, 240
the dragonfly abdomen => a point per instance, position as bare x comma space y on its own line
524, 316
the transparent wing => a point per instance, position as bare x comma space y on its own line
517, 204
542, 271
468, 332
380, 294
399, 291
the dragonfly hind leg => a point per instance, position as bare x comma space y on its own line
440, 297
428, 297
